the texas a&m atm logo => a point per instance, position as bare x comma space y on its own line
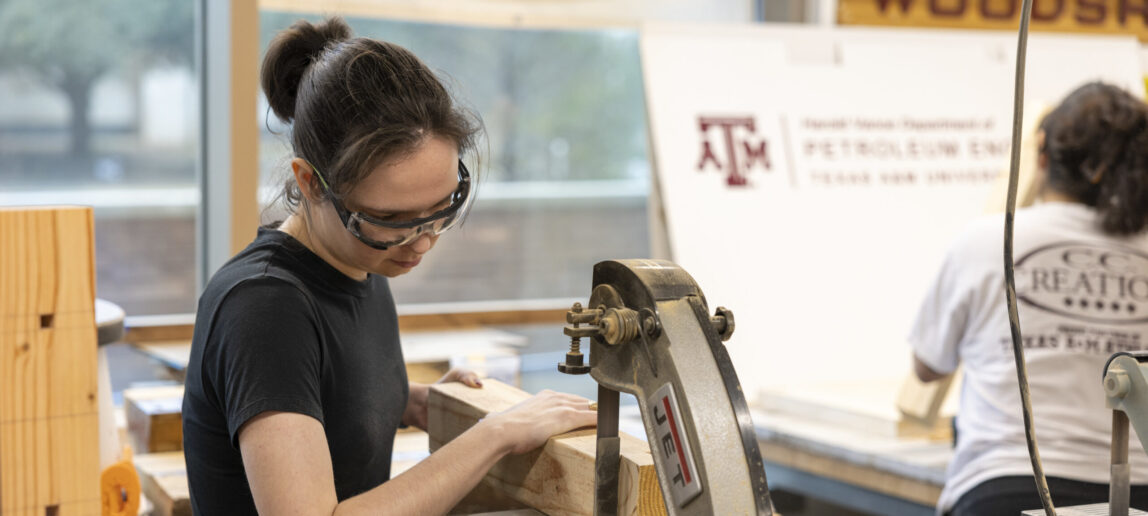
673, 446
739, 150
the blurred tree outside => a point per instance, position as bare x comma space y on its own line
68, 45
558, 105
98, 106
563, 109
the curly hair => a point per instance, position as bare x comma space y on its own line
1096, 143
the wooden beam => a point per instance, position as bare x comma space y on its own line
49, 439
244, 130
557, 478
496, 14
473, 319
147, 329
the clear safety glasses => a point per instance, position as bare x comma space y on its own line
385, 233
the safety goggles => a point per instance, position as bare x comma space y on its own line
382, 234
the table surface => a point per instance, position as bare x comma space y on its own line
423, 346
109, 322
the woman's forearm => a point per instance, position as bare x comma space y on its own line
436, 484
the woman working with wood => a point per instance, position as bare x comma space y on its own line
296, 384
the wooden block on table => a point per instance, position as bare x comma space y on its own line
154, 417
427, 372
486, 351
163, 479
559, 477
920, 402
173, 354
49, 453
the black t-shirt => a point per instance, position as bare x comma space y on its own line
280, 329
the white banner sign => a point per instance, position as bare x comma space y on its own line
813, 178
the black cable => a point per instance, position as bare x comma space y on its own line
1010, 281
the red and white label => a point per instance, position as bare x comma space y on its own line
672, 445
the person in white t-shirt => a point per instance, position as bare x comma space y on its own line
1081, 258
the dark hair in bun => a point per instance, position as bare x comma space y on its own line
1096, 142
290, 54
355, 102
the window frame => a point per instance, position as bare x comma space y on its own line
227, 56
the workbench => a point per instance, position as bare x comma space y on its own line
428, 354
842, 464
853, 464
839, 464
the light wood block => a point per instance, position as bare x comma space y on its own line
920, 403
557, 479
163, 479
154, 418
49, 452
426, 372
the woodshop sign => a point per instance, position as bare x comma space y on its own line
812, 178
1090, 16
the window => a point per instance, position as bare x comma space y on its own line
566, 175
100, 108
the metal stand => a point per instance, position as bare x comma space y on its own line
651, 336
1118, 486
608, 461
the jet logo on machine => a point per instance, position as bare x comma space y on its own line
739, 151
673, 446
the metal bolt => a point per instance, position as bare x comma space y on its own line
1116, 383
574, 363
722, 322
650, 325
575, 342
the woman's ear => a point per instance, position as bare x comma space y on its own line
306, 179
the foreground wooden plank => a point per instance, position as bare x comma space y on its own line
557, 479
49, 441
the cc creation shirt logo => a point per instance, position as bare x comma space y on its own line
743, 150
1086, 281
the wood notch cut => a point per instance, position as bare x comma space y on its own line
49, 438
557, 479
